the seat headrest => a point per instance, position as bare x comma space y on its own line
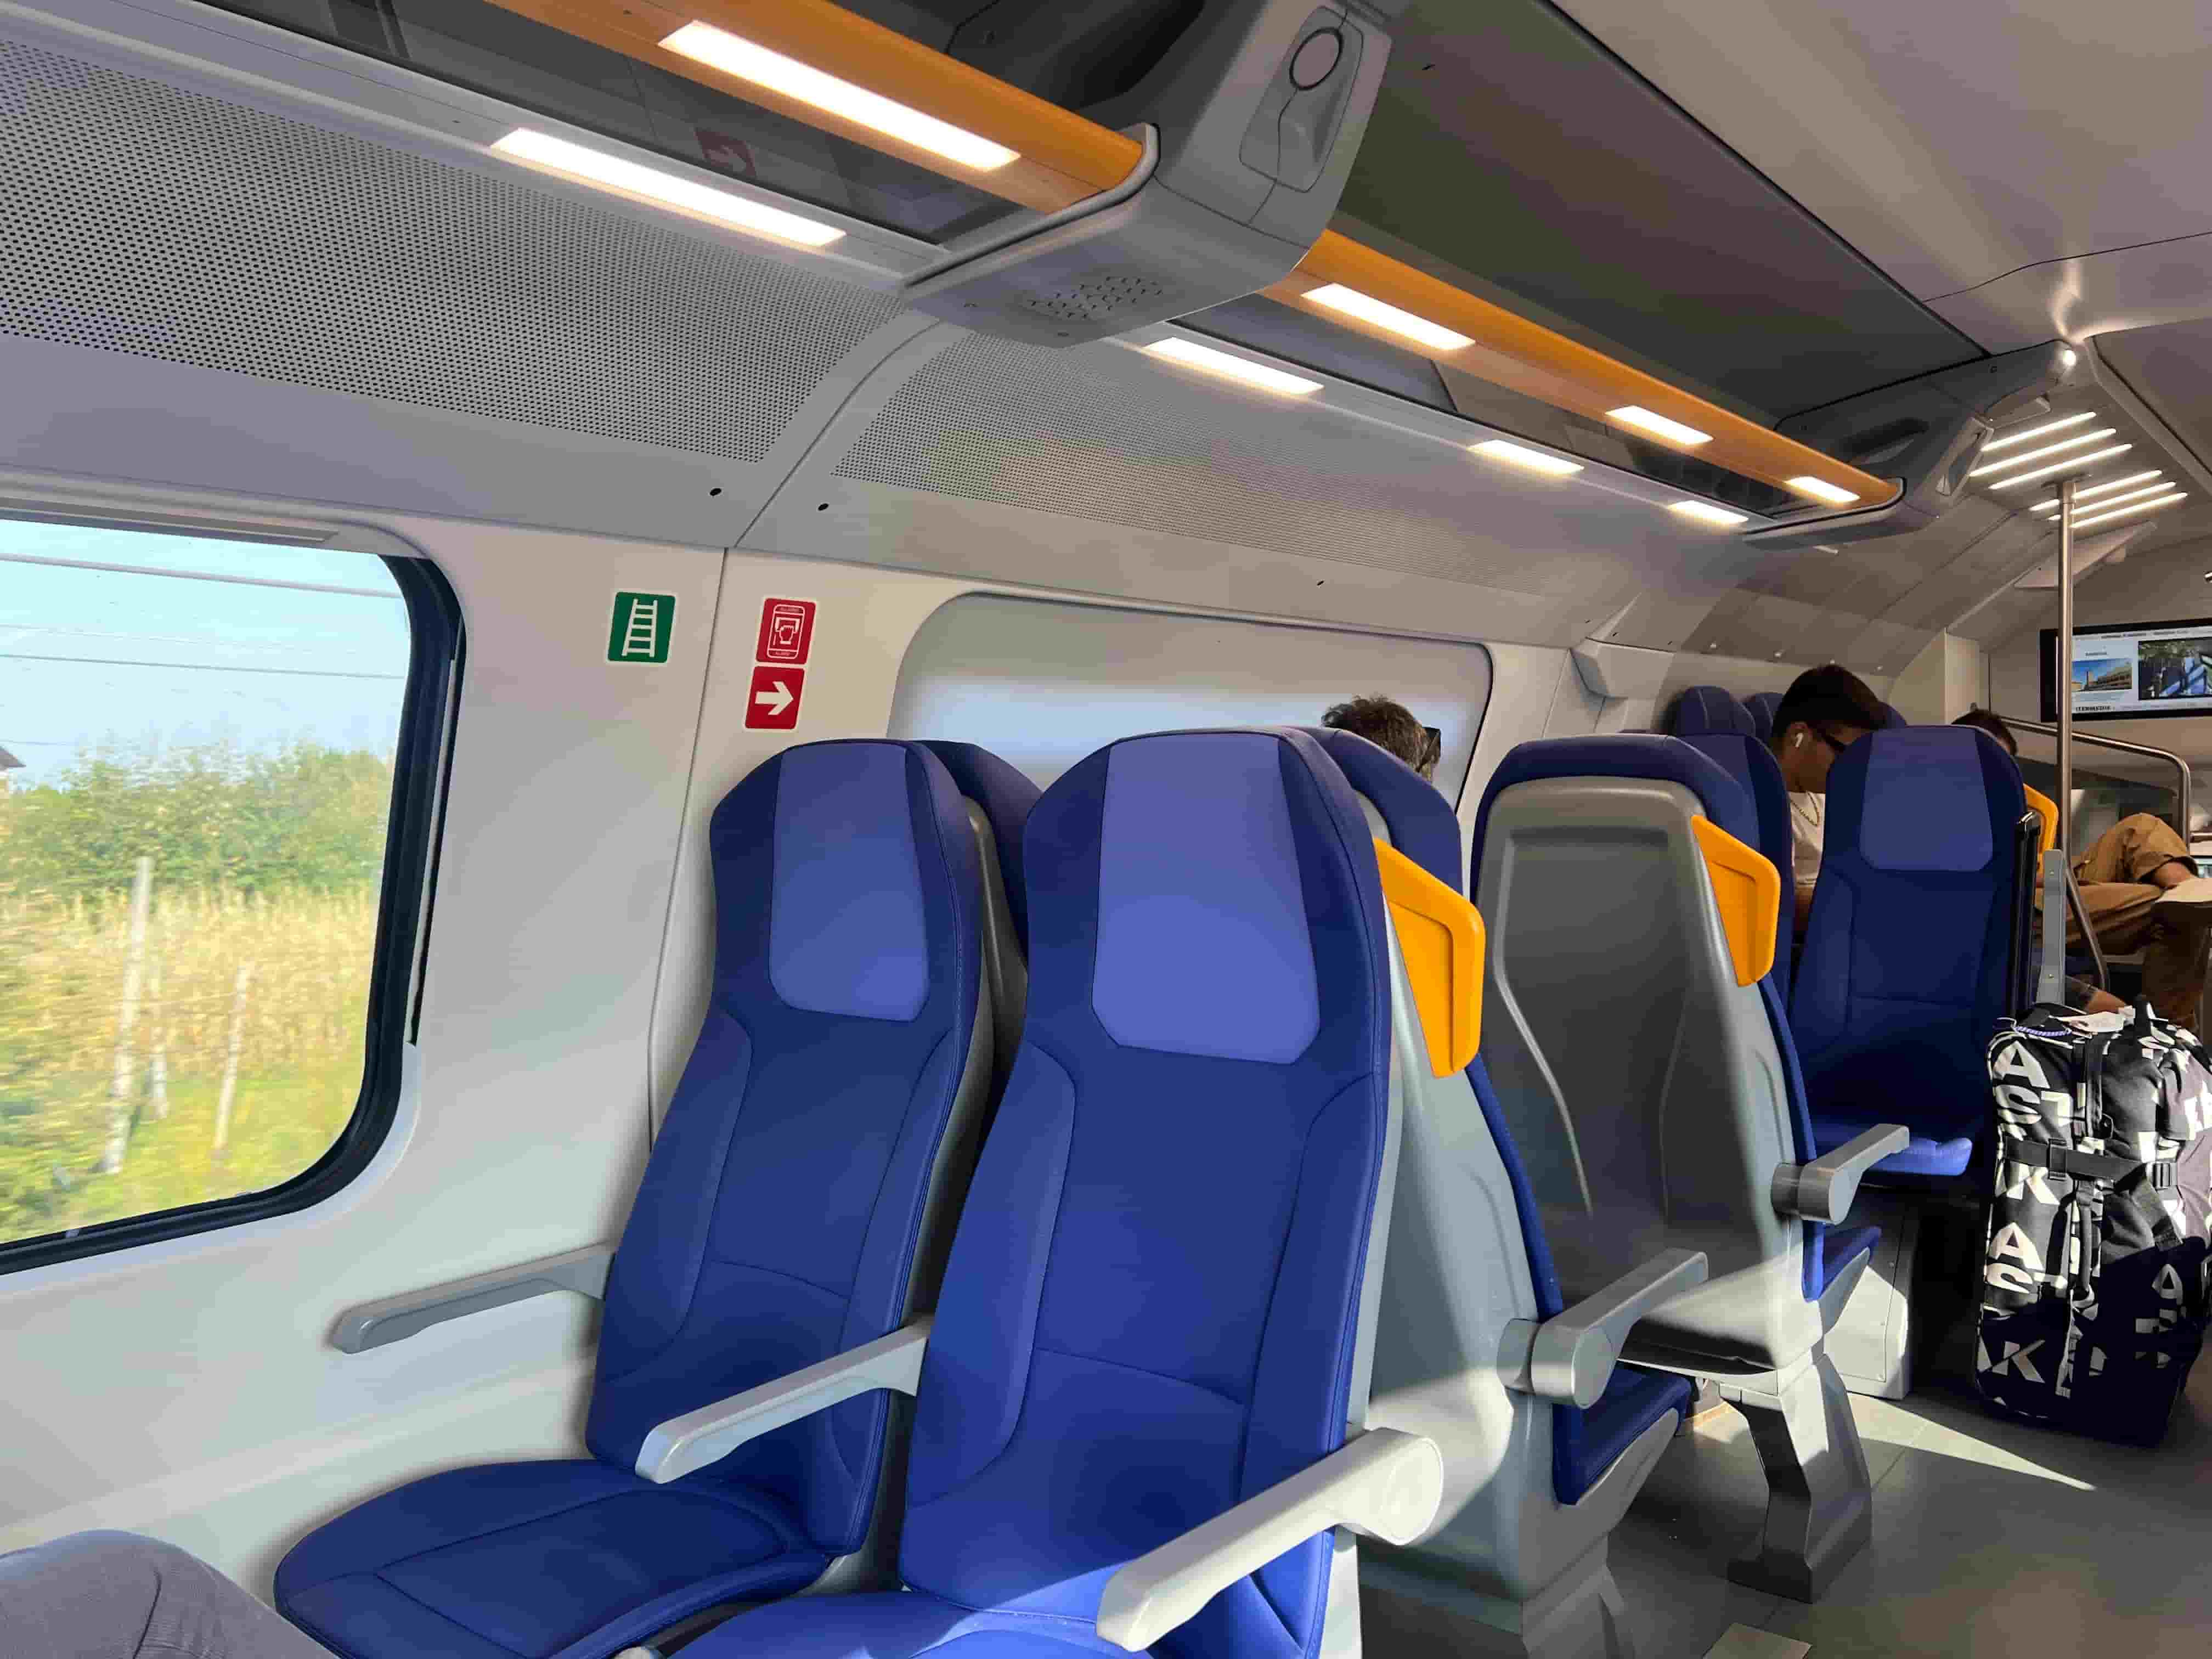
1667, 760
1705, 710
1760, 706
1206, 842
846, 919
1421, 821
1925, 798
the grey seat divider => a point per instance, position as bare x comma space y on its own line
1646, 1090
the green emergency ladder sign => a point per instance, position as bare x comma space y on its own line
640, 628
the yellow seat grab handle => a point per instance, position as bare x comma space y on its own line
1440, 939
2047, 810
1747, 892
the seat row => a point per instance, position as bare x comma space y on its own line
1085, 1224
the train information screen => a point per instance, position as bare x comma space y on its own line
2132, 671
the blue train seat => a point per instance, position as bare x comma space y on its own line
1761, 705
796, 1204
1646, 1071
1915, 946
1152, 1317
1719, 728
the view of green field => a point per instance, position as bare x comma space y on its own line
251, 962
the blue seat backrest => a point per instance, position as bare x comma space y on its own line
1904, 974
1726, 732
1897, 721
778, 1220
1150, 1312
1006, 797
1421, 821
1703, 710
1761, 705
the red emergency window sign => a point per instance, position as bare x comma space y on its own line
787, 630
772, 703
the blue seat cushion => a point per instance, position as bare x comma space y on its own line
1927, 1154
898, 1626
1843, 1246
1588, 1443
555, 1560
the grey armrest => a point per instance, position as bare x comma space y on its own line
373, 1324
698, 1439
1570, 1356
1385, 1485
1823, 1189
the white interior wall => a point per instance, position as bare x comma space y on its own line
1942, 683
187, 1388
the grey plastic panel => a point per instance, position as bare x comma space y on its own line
1641, 1082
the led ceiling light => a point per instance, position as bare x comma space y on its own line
2110, 500
666, 190
1706, 512
1821, 490
1353, 303
735, 55
2060, 447
1230, 367
1658, 425
2080, 495
2037, 431
2129, 512
2066, 465
1532, 460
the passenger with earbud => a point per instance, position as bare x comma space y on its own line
2141, 891
1824, 711
1390, 725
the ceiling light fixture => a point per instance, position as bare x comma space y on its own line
2129, 512
1530, 460
2051, 506
735, 55
2066, 465
2110, 500
1353, 303
1821, 490
666, 190
1657, 425
1706, 512
2059, 448
2037, 431
1230, 367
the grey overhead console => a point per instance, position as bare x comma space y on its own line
1250, 126
1926, 433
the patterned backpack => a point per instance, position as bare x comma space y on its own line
2097, 1283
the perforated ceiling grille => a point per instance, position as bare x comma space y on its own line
998, 421
141, 218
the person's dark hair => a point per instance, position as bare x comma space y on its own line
1993, 723
1827, 699
1388, 724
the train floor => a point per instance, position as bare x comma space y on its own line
1992, 1541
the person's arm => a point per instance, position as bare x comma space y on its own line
1804, 903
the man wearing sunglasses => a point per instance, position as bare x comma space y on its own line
1823, 712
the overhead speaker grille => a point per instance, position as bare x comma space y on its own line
997, 420
138, 217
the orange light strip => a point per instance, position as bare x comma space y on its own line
1062, 158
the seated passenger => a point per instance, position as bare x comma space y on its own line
1823, 712
116, 1596
1392, 726
2140, 891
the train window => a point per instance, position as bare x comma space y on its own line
217, 764
1044, 683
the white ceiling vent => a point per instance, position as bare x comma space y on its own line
138, 217
1070, 431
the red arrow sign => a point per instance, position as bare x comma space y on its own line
772, 703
